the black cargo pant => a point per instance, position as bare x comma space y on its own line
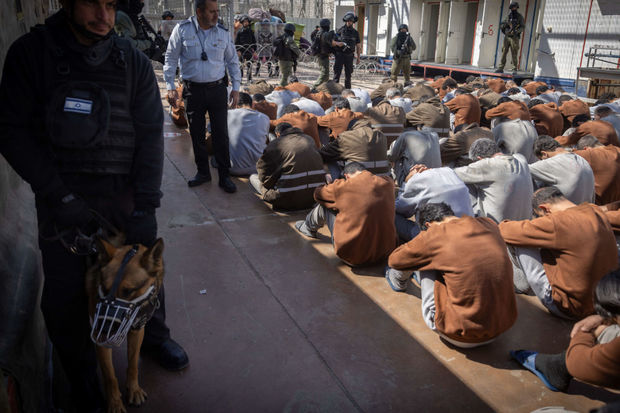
346, 60
201, 98
64, 303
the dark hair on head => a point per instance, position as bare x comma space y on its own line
290, 109
545, 143
513, 91
377, 100
483, 148
564, 98
541, 89
432, 212
579, 119
200, 4
470, 78
588, 141
477, 86
460, 91
449, 82
601, 102
503, 99
293, 79
245, 99
352, 167
546, 195
258, 97
282, 127
602, 111
342, 103
534, 102
607, 295
608, 95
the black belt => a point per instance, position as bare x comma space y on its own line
207, 85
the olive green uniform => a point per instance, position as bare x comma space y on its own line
512, 27
286, 65
323, 57
403, 61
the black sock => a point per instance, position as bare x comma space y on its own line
553, 366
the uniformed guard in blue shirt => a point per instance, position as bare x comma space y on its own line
204, 51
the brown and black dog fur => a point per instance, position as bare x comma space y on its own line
143, 270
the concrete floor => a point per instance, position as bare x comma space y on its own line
284, 325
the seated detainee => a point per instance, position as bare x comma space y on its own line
508, 108
289, 170
309, 106
388, 119
564, 252
247, 136
500, 185
516, 136
268, 108
605, 164
418, 90
379, 91
455, 149
339, 119
413, 148
356, 103
360, 143
605, 113
394, 96
496, 84
467, 296
295, 85
429, 185
569, 108
301, 120
547, 94
281, 98
447, 88
465, 107
568, 172
530, 86
601, 130
593, 355
432, 115
519, 94
322, 98
547, 119
359, 212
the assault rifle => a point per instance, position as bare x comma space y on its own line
403, 48
157, 51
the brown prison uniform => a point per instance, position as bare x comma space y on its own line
302, 120
466, 109
432, 114
601, 130
475, 302
572, 108
578, 248
458, 144
383, 87
497, 85
388, 119
298, 87
338, 121
417, 91
322, 98
547, 119
268, 108
511, 110
594, 363
531, 87
605, 164
364, 231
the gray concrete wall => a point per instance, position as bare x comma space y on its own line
22, 333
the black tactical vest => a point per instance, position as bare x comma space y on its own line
88, 121
348, 36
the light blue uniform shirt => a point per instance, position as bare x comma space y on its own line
184, 48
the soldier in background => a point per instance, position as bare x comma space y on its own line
287, 52
344, 55
512, 27
402, 45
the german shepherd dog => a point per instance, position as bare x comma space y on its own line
122, 286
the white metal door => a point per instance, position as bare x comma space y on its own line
415, 25
456, 33
442, 32
424, 34
487, 34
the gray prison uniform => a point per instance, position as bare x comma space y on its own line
402, 102
615, 121
412, 148
431, 186
500, 187
568, 172
281, 98
516, 136
309, 106
247, 137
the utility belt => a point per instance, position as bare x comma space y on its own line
206, 85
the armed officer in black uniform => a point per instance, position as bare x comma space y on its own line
245, 43
344, 55
84, 129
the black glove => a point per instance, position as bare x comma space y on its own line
70, 211
141, 228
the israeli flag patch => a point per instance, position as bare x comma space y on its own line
78, 105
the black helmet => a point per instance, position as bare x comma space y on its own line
167, 14
290, 28
513, 4
243, 18
349, 16
403, 26
324, 23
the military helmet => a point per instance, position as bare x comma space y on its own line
324, 23
349, 16
244, 17
167, 14
289, 27
514, 4
403, 26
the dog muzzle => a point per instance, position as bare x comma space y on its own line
114, 317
